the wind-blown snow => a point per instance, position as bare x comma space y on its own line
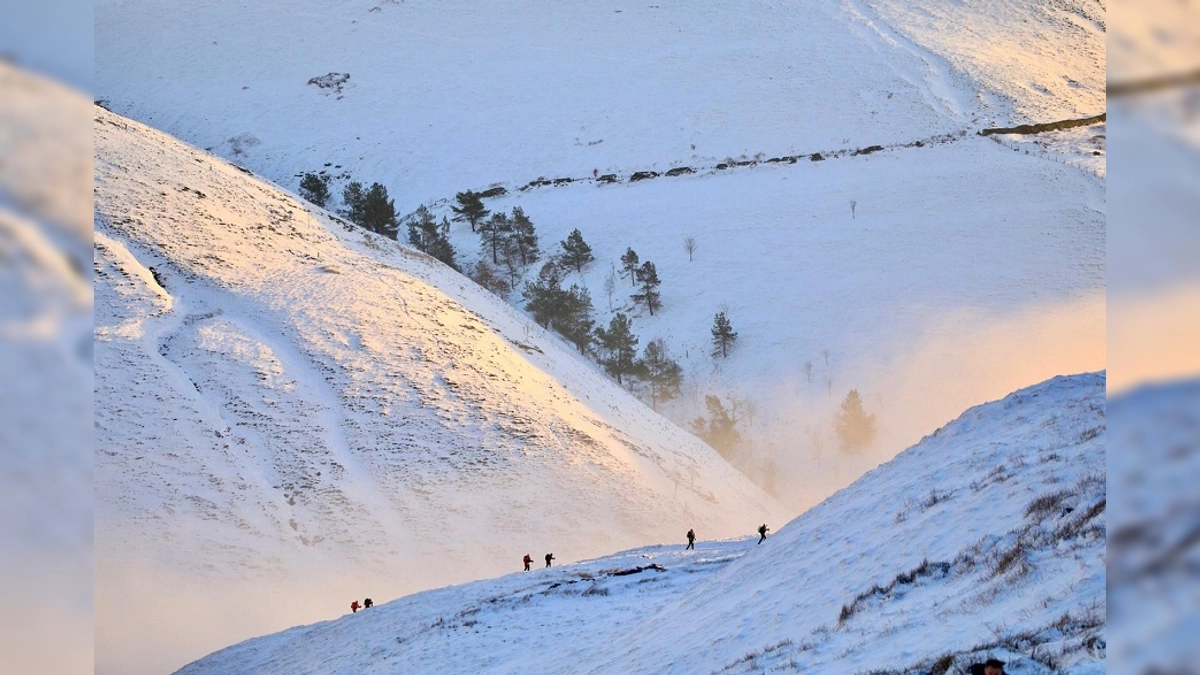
987, 539
272, 401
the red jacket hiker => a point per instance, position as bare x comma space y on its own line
354, 606
528, 561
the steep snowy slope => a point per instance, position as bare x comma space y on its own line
1004, 556
286, 405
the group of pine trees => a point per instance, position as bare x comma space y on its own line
510, 247
371, 208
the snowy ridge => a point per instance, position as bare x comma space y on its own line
1004, 556
279, 394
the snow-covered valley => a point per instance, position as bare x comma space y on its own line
290, 410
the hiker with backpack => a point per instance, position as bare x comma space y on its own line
691, 535
528, 561
354, 606
367, 603
549, 557
762, 532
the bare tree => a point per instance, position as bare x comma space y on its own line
808, 370
829, 385
825, 354
610, 285
689, 245
853, 206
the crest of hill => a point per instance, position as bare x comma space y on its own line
1003, 558
276, 392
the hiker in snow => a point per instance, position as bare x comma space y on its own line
691, 540
549, 557
762, 532
989, 667
528, 561
354, 606
367, 603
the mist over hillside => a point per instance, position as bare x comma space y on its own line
285, 404
955, 241
288, 397
1003, 557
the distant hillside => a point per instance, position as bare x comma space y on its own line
283, 401
985, 540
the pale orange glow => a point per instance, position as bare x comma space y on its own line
1154, 337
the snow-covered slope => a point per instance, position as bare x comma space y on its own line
46, 361
283, 402
971, 265
987, 539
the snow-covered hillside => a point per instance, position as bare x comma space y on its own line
970, 265
46, 362
987, 539
286, 405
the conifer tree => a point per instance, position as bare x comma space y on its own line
427, 235
629, 265
855, 428
647, 276
723, 335
524, 237
576, 320
619, 347
662, 374
470, 208
494, 232
545, 296
315, 188
370, 208
576, 252
720, 429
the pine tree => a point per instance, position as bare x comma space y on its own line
470, 208
576, 252
427, 235
723, 335
629, 265
315, 189
353, 197
855, 428
524, 238
619, 345
662, 373
545, 296
720, 429
647, 276
370, 208
493, 232
576, 320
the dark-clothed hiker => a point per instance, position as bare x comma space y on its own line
989, 667
528, 561
762, 532
354, 606
549, 557
367, 603
691, 540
